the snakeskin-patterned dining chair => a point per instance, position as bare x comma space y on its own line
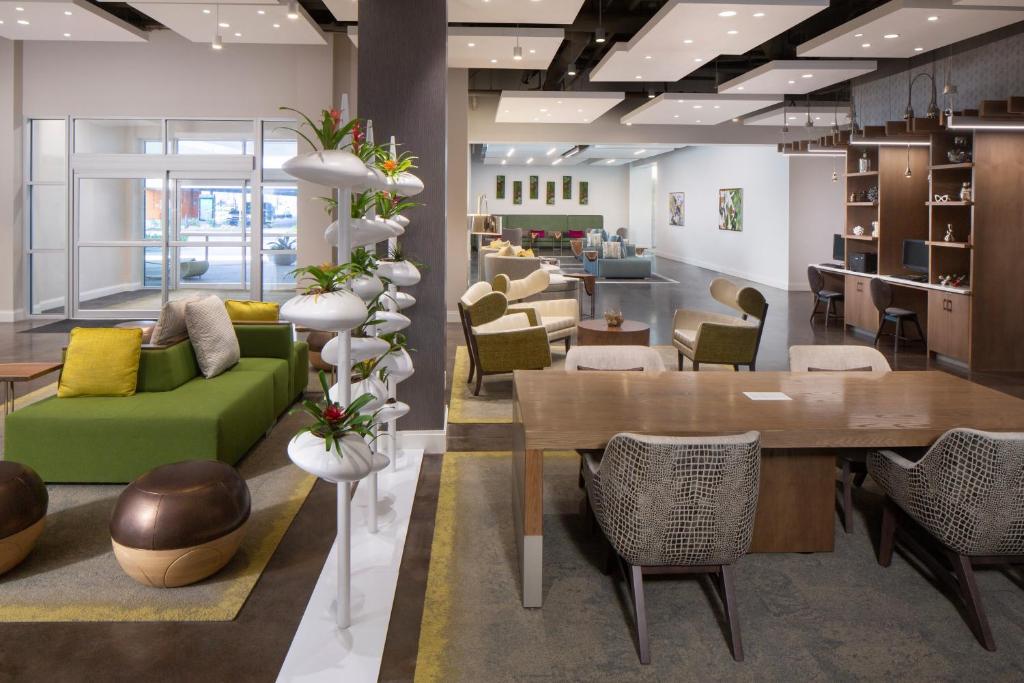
968, 493
676, 505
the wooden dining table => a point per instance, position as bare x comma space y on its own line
804, 418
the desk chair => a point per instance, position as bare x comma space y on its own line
822, 295
836, 358
881, 296
676, 505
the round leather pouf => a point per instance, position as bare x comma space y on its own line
316, 341
23, 501
178, 524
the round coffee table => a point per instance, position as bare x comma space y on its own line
597, 333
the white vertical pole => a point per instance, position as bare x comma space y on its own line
371, 521
393, 386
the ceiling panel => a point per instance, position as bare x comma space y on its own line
71, 20
244, 23
517, 154
685, 34
518, 106
480, 47
796, 76
903, 28
821, 115
696, 109
486, 11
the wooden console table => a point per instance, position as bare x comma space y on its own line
799, 437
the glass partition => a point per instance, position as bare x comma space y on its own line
117, 136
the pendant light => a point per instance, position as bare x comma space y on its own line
572, 69
949, 88
517, 51
217, 43
908, 173
293, 9
809, 124
835, 114
599, 35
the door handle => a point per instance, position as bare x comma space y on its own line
860, 286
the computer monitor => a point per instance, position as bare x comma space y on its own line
838, 248
915, 255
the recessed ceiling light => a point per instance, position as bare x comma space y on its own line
675, 116
933, 18
1, 21
552, 151
579, 111
817, 118
792, 82
698, 120
557, 161
277, 25
647, 57
638, 77
732, 32
698, 59
22, 22
542, 110
494, 61
530, 160
858, 35
261, 12
558, 102
628, 123
716, 107
238, 35
865, 44
224, 24
532, 51
741, 87
206, 11
470, 44
503, 162
511, 151
688, 40
727, 13
639, 152
890, 36
610, 161
586, 120
758, 15
67, 35
698, 106
19, 9
67, 13
918, 49
807, 76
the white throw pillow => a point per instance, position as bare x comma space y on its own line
171, 325
212, 335
594, 239
612, 250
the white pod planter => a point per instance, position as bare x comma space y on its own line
401, 220
372, 386
399, 365
363, 348
365, 232
390, 322
355, 461
392, 411
380, 461
330, 312
335, 168
401, 273
403, 300
404, 184
367, 287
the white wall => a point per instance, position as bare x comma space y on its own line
760, 251
816, 213
608, 191
642, 198
12, 263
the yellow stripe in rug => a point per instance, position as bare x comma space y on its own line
459, 408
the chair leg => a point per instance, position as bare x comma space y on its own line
917, 324
828, 311
847, 498
878, 334
814, 311
636, 582
859, 479
896, 335
682, 365
888, 539
568, 341
972, 601
729, 598
479, 382
609, 557
472, 370
696, 366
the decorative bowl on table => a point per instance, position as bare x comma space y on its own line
640, 251
613, 318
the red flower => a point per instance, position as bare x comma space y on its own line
335, 118
333, 413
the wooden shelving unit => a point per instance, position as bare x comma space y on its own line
949, 245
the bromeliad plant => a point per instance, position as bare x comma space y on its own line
330, 133
332, 423
362, 262
393, 165
324, 278
390, 205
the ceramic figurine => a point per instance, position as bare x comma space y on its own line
858, 230
864, 163
874, 228
965, 192
949, 233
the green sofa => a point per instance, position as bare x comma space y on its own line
176, 414
551, 223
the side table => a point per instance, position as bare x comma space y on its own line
589, 284
598, 333
21, 372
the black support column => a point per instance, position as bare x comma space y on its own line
403, 77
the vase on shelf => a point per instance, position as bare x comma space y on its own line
864, 162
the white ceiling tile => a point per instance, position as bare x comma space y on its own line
796, 76
523, 106
685, 34
486, 12
481, 47
903, 28
694, 109
70, 20
265, 24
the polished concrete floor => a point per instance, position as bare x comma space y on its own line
254, 645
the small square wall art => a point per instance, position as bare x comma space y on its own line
677, 208
550, 194
730, 209
584, 192
517, 191
499, 189
534, 187
567, 187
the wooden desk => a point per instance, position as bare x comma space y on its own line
799, 438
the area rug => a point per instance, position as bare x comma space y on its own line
72, 574
494, 404
819, 617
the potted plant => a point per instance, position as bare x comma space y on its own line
364, 230
397, 360
368, 379
333, 161
398, 269
325, 304
283, 243
390, 206
334, 446
364, 281
395, 167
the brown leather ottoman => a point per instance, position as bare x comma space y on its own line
316, 341
23, 501
178, 524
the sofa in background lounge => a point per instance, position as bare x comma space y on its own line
174, 415
627, 266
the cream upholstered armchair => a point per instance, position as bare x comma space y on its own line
499, 341
557, 316
614, 358
967, 492
718, 338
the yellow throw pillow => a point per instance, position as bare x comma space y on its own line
526, 252
498, 244
101, 361
252, 311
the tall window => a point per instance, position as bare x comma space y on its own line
47, 217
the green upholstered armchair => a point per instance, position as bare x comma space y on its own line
718, 338
500, 341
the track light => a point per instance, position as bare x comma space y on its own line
293, 9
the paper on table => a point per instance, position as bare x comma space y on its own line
766, 396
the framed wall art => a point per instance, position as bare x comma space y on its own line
677, 208
730, 209
584, 192
499, 187
517, 191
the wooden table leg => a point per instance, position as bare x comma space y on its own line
528, 510
796, 502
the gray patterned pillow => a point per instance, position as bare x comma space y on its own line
212, 334
612, 250
171, 325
